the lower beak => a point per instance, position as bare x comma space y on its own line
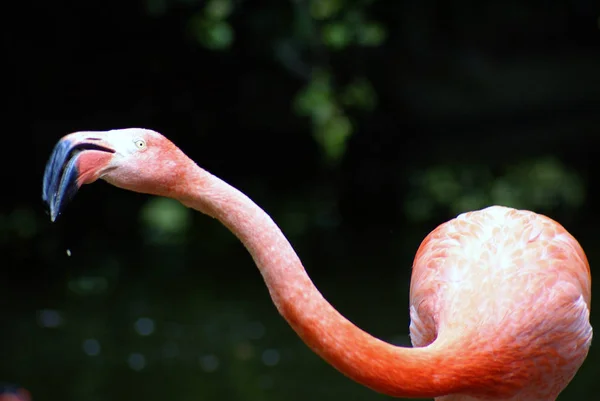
62, 174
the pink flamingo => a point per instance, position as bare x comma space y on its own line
499, 298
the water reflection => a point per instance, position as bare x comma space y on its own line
209, 363
136, 361
144, 326
91, 347
270, 357
49, 318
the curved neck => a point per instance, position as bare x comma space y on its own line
392, 370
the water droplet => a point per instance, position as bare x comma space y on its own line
91, 347
144, 326
270, 357
136, 361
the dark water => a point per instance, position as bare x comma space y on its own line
157, 313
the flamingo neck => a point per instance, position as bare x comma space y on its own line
392, 370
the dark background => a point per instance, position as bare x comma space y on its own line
358, 125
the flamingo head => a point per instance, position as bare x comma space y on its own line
136, 159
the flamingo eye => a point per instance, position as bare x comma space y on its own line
140, 144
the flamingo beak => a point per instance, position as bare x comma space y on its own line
76, 160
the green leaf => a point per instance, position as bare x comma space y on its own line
215, 35
333, 136
218, 9
360, 94
370, 34
441, 184
165, 220
336, 35
323, 9
316, 99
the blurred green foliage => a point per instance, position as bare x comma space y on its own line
341, 25
210, 27
331, 126
165, 220
539, 184
336, 25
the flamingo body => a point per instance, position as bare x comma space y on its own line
514, 284
499, 298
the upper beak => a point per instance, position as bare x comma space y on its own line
65, 172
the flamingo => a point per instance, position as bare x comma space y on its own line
499, 297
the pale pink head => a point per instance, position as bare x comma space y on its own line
136, 159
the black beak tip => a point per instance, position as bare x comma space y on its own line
53, 214
60, 178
